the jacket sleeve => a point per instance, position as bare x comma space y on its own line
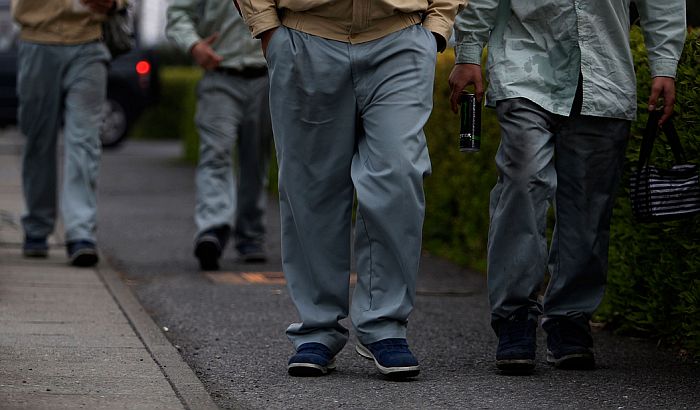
664, 28
472, 30
440, 16
181, 24
259, 15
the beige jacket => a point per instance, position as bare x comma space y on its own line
352, 21
58, 21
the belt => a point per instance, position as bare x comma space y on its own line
247, 72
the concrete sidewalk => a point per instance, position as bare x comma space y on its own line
75, 337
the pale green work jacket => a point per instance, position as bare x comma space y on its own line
190, 21
537, 48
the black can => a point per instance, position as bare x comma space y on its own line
469, 122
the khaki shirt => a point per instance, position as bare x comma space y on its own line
58, 21
350, 21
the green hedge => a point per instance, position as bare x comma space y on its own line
654, 279
457, 192
173, 116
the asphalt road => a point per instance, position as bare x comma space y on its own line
229, 326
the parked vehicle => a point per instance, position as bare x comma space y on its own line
132, 84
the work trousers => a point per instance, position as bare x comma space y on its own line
233, 112
575, 163
348, 118
61, 85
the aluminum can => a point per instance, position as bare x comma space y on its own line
469, 122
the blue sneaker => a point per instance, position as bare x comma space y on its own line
35, 247
516, 343
392, 357
82, 252
310, 360
569, 344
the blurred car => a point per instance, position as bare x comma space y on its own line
132, 84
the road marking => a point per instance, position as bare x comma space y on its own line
247, 278
254, 278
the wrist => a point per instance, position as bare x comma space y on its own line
265, 35
194, 47
440, 41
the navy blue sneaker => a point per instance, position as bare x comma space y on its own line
569, 344
209, 245
82, 253
310, 360
251, 252
35, 247
516, 343
392, 357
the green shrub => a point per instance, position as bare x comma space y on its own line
653, 283
173, 116
457, 192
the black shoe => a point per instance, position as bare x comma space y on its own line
311, 360
209, 245
82, 252
516, 343
35, 247
569, 344
251, 252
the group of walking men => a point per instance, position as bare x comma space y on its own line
345, 88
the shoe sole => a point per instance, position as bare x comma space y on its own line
35, 253
208, 253
516, 366
84, 258
392, 372
254, 258
575, 361
309, 369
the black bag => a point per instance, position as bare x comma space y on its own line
118, 33
664, 194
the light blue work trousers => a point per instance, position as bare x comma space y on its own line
349, 118
61, 85
233, 111
575, 163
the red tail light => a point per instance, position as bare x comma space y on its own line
143, 67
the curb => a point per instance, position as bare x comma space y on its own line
188, 388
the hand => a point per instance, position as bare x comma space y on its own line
265, 39
664, 87
461, 76
99, 6
440, 42
204, 55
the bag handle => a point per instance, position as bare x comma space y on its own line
675, 142
652, 131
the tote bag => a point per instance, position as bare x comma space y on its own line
662, 194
